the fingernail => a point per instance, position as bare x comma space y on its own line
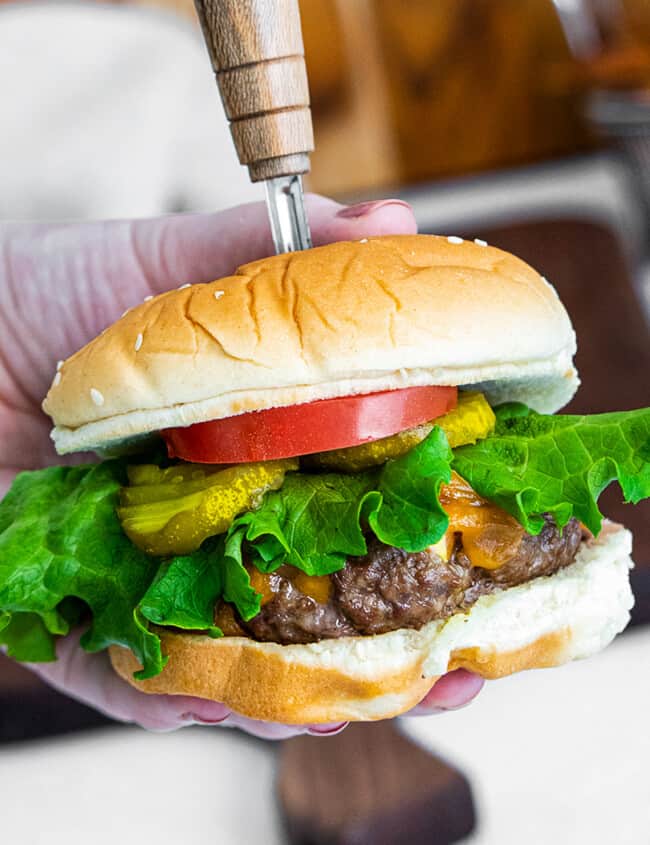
420, 710
423, 710
364, 209
460, 706
327, 730
193, 719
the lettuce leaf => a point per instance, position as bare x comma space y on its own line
534, 464
315, 522
405, 511
184, 592
27, 638
237, 583
63, 553
64, 558
60, 538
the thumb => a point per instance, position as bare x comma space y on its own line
202, 247
83, 276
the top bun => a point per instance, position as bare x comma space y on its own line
348, 318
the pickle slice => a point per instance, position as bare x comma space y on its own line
146, 474
471, 420
172, 511
169, 486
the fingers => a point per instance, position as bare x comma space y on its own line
202, 247
454, 690
84, 276
333, 222
89, 678
264, 730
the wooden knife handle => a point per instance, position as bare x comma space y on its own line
257, 54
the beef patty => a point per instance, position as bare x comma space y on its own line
389, 588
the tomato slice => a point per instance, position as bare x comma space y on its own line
311, 427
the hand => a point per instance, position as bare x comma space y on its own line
60, 285
91, 679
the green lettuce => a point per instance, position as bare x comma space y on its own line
64, 559
27, 638
534, 464
184, 591
60, 539
315, 522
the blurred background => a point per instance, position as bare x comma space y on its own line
526, 122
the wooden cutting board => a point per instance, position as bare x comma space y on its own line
370, 785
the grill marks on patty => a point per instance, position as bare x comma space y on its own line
389, 588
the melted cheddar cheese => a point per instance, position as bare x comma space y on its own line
490, 536
261, 583
317, 587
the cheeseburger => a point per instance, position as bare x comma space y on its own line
327, 480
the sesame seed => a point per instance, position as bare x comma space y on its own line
363, 241
59, 364
480, 242
124, 313
96, 396
138, 341
218, 294
57, 379
454, 239
148, 298
182, 287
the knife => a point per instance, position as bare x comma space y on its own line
257, 54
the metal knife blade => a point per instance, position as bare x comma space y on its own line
287, 214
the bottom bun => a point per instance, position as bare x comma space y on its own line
546, 622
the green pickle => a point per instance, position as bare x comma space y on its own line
471, 420
149, 483
173, 510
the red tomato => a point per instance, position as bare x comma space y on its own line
311, 427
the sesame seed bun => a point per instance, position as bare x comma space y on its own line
343, 319
543, 623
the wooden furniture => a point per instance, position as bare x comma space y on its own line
410, 90
370, 785
427, 90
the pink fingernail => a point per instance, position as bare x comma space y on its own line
327, 730
364, 209
423, 710
420, 710
459, 706
199, 720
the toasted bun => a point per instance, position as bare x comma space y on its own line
546, 622
348, 318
